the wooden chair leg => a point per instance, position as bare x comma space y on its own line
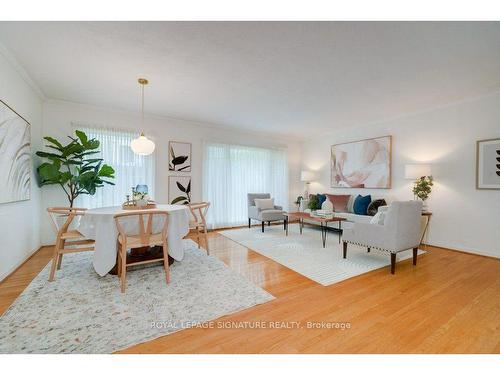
249, 222
198, 236
206, 240
123, 276
59, 258
393, 263
55, 260
415, 253
118, 259
344, 248
165, 262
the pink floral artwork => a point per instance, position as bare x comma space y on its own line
362, 164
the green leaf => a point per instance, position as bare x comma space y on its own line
188, 189
54, 142
106, 171
49, 174
180, 187
93, 144
44, 154
178, 199
82, 136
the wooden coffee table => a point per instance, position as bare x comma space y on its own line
300, 216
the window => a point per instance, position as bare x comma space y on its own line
230, 172
130, 169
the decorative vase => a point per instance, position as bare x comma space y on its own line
142, 203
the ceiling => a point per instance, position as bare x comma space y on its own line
293, 78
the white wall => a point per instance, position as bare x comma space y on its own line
20, 221
463, 218
58, 116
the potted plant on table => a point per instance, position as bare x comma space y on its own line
73, 168
422, 189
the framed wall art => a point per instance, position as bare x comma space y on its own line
15, 155
488, 164
179, 156
179, 189
362, 164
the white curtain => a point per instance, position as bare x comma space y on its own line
230, 172
130, 169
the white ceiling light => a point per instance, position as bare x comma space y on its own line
142, 145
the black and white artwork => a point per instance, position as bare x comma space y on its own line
488, 164
179, 189
15, 155
179, 156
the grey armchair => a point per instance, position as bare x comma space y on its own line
401, 231
273, 214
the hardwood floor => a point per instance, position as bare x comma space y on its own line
448, 303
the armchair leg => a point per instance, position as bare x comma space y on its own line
268, 223
262, 226
415, 252
249, 222
344, 248
393, 263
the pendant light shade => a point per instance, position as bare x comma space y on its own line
142, 145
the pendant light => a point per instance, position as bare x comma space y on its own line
142, 145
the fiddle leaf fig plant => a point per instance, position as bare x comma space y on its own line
72, 166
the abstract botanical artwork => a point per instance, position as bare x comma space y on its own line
179, 156
362, 164
15, 156
488, 164
179, 189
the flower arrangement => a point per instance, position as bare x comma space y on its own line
139, 196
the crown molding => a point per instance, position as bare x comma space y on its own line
12, 60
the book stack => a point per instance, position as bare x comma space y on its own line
323, 213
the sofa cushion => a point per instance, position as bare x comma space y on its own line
378, 218
339, 202
361, 204
321, 199
374, 205
350, 203
271, 215
264, 204
353, 218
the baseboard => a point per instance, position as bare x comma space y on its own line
19, 264
480, 254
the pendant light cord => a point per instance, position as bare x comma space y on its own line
142, 130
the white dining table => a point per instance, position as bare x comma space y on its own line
99, 224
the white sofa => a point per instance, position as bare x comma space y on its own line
349, 216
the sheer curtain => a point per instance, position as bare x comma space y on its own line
130, 169
230, 172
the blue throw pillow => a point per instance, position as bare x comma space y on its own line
321, 199
361, 204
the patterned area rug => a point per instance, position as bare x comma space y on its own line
304, 253
81, 312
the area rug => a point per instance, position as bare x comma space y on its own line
305, 254
81, 312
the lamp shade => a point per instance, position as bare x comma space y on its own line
142, 145
306, 176
414, 171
